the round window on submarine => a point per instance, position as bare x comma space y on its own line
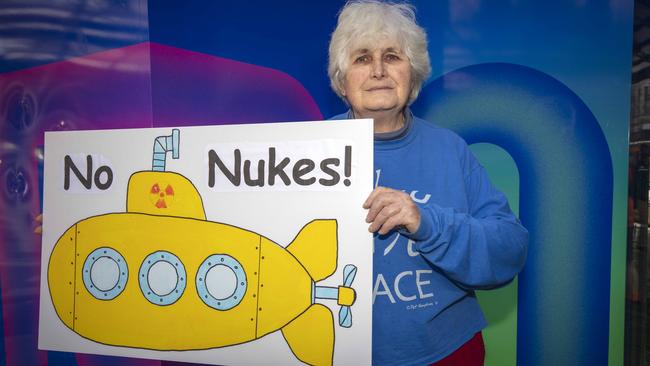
162, 278
105, 273
221, 282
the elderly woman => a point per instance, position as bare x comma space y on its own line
454, 232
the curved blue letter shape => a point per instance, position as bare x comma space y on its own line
565, 173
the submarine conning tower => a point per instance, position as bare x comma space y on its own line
161, 192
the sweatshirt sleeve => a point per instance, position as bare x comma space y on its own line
483, 248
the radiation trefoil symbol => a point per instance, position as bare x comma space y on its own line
161, 198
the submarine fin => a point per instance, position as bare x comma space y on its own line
311, 335
316, 247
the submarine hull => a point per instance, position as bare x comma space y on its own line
272, 289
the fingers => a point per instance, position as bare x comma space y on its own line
383, 224
385, 220
38, 220
389, 208
379, 199
375, 192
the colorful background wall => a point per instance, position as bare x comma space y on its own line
541, 90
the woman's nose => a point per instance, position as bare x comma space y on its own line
378, 69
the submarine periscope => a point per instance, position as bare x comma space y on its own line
160, 276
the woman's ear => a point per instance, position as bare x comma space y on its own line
340, 83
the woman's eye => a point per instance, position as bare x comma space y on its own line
392, 57
362, 59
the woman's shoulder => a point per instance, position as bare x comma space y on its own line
437, 132
446, 141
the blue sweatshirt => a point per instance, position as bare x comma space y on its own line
424, 306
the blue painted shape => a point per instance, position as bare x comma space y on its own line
122, 276
322, 292
203, 288
162, 145
294, 40
565, 200
345, 317
144, 278
349, 273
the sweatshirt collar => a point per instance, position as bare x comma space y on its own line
392, 135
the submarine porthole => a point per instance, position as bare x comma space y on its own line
161, 278
105, 273
221, 282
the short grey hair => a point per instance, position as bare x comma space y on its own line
363, 23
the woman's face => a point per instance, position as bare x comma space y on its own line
378, 80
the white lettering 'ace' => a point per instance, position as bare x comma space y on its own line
417, 277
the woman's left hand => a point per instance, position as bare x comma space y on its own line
389, 208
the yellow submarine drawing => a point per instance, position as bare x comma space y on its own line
160, 276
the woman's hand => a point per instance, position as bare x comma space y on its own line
389, 208
38, 224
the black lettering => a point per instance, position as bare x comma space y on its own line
277, 169
234, 178
348, 165
260, 174
109, 177
325, 167
302, 167
69, 165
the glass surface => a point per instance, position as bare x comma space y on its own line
637, 319
67, 65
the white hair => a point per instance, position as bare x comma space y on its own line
363, 23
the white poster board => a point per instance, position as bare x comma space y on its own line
234, 245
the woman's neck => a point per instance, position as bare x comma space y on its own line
384, 121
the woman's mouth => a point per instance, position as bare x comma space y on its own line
379, 88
